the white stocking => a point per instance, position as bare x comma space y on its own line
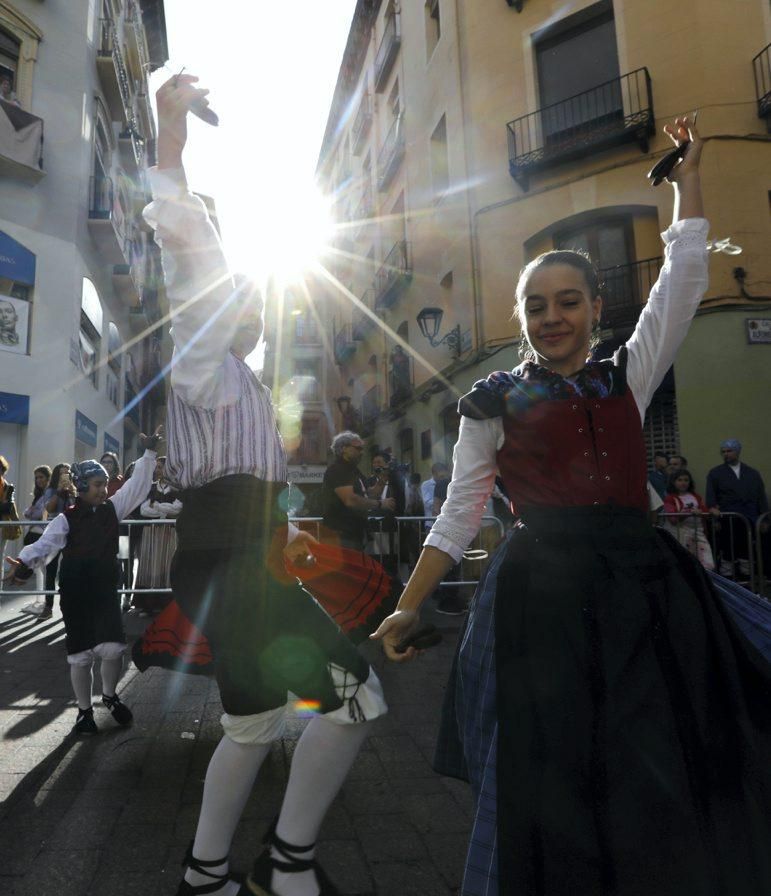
229, 781
83, 684
110, 672
322, 759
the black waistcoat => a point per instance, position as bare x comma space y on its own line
93, 532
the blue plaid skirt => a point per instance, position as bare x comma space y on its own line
469, 737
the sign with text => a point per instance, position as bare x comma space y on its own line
14, 408
111, 444
758, 330
85, 429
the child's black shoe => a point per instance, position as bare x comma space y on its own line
120, 712
85, 723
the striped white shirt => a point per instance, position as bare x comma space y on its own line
220, 417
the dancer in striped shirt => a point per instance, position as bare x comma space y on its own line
267, 635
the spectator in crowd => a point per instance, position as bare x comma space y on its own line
134, 543
410, 531
658, 476
6, 91
346, 505
37, 511
385, 482
683, 499
438, 471
158, 543
109, 461
735, 487
676, 462
8, 512
59, 495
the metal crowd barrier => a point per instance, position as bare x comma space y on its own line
477, 552
39, 592
739, 535
751, 577
763, 521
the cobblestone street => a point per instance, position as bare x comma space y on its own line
113, 814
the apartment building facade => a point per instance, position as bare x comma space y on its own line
466, 138
80, 276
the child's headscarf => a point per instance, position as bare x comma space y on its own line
84, 471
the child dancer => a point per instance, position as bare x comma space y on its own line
681, 499
87, 535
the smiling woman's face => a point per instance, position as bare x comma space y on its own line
558, 314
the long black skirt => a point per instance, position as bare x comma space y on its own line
633, 719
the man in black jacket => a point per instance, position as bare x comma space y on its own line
735, 487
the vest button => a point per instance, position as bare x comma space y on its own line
586, 454
575, 407
597, 406
580, 429
607, 478
604, 453
595, 502
600, 429
591, 475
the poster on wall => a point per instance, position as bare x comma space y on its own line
14, 324
759, 330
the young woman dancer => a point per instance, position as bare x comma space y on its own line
630, 716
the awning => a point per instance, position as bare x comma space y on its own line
17, 263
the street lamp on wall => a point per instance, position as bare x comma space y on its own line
429, 321
344, 404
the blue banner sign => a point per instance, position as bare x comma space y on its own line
17, 263
85, 429
111, 444
14, 408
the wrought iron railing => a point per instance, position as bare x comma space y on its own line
109, 45
391, 154
401, 379
761, 65
370, 406
388, 50
344, 344
363, 213
393, 275
362, 323
361, 123
618, 111
625, 290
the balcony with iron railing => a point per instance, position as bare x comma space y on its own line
128, 278
362, 122
625, 290
388, 50
393, 276
132, 150
344, 344
391, 154
136, 39
306, 330
401, 381
107, 218
363, 214
370, 406
362, 324
113, 73
761, 65
20, 156
616, 112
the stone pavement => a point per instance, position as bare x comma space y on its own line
113, 814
